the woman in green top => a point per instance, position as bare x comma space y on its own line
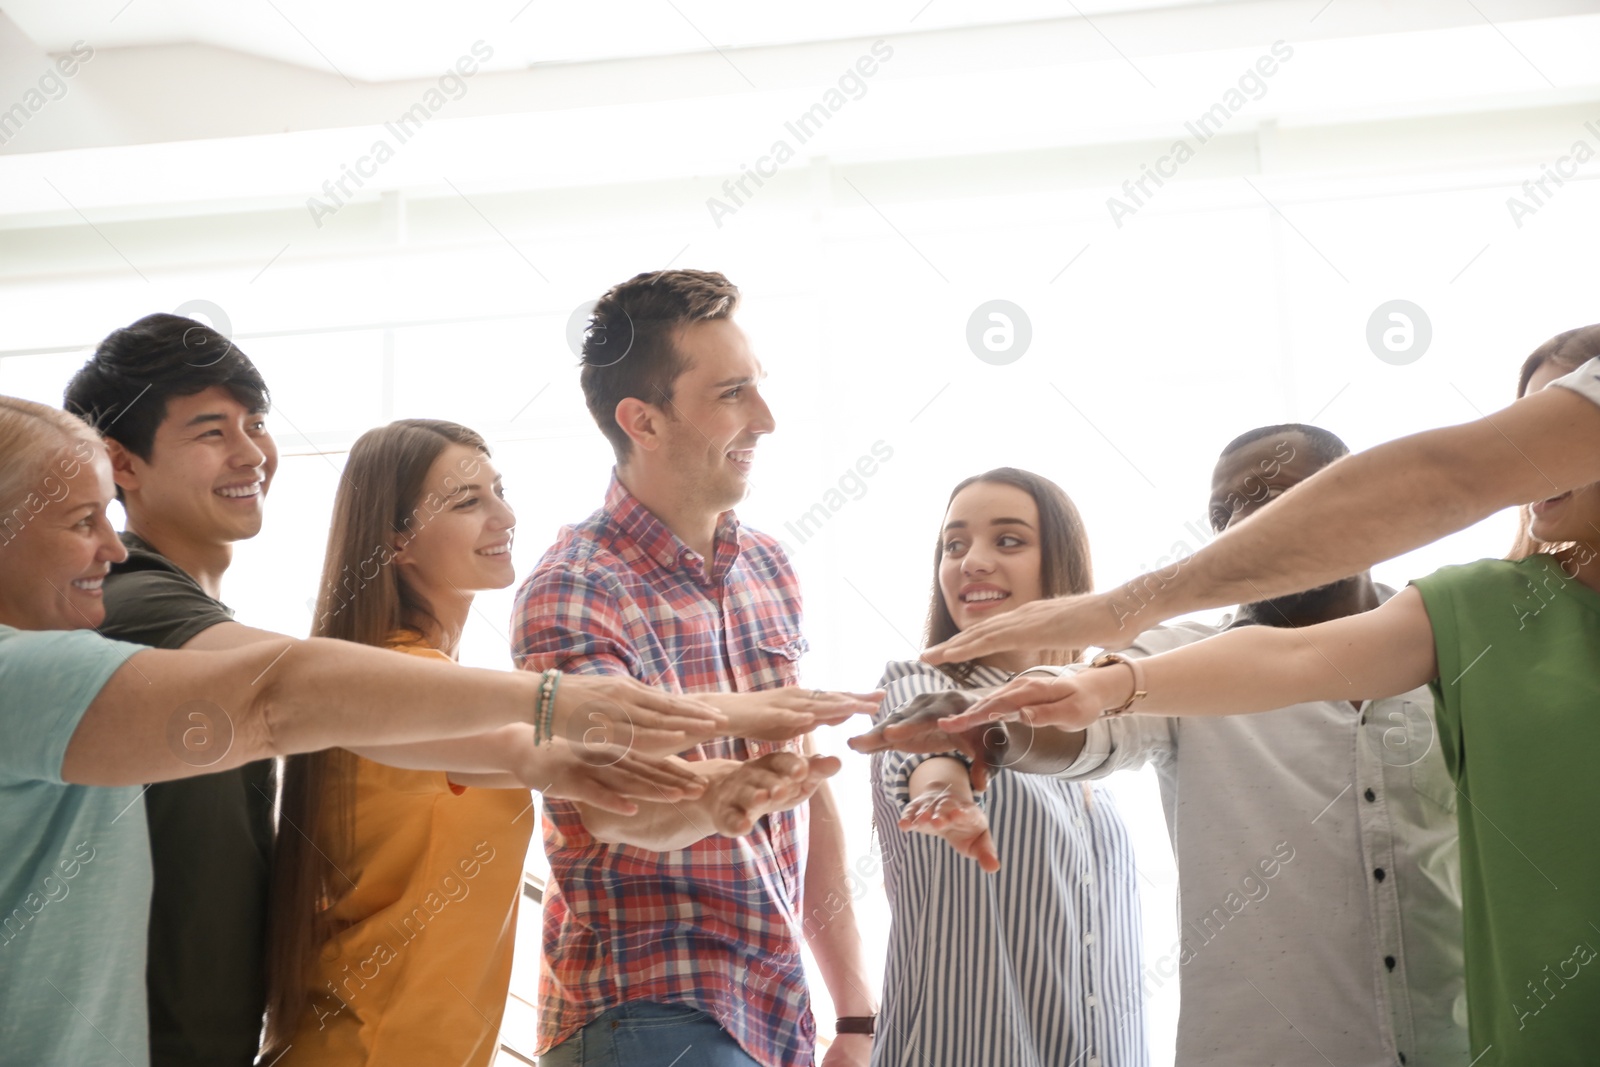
1511, 649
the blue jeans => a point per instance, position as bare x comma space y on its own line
646, 1034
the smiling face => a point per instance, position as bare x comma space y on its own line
464, 546
1571, 516
991, 560
210, 467
707, 435
52, 570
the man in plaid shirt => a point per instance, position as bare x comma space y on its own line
673, 936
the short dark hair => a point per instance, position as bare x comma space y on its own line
124, 388
1322, 445
628, 348
1326, 446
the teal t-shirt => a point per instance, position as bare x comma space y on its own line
74, 867
1518, 711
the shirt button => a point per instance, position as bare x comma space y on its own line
1378, 874
1388, 961
1091, 1000
1088, 939
1094, 1061
1370, 795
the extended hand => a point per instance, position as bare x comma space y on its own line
849, 1050
560, 770
916, 727
763, 785
958, 819
1070, 701
612, 713
787, 713
1061, 623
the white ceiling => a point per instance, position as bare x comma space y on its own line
385, 40
174, 87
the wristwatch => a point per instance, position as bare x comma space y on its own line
1106, 659
856, 1024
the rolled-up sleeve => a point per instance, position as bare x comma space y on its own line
574, 620
1119, 743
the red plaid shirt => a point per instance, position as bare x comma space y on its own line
713, 925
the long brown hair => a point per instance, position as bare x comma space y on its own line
1570, 351
363, 598
1065, 567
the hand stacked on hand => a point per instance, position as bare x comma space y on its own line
787, 713
971, 724
614, 741
769, 783
1069, 701
917, 727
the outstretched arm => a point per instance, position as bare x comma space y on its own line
166, 715
1361, 510
506, 758
1378, 653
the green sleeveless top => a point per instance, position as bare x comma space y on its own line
1518, 710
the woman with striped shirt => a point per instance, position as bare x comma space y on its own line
1030, 955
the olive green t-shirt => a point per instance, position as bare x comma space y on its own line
1518, 711
210, 848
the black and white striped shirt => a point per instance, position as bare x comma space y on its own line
1037, 965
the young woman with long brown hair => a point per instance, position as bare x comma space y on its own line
396, 891
1045, 926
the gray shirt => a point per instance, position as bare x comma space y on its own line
1319, 911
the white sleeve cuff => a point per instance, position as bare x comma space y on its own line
1096, 747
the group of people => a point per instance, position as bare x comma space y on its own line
223, 845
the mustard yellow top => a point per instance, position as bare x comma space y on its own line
419, 973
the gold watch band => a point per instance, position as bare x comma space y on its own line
1106, 659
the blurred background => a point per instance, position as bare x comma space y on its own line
1096, 240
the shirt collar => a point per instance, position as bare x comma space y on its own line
663, 547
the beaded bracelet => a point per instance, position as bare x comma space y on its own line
538, 709
544, 727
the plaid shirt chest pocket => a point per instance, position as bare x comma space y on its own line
765, 642
778, 661
774, 663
